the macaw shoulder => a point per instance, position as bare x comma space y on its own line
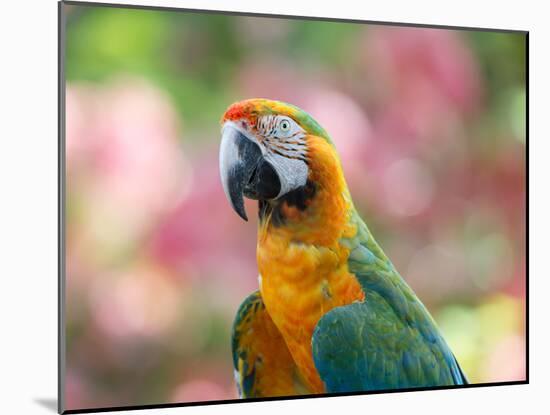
387, 341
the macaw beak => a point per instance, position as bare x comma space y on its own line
244, 171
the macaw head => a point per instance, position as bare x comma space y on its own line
270, 150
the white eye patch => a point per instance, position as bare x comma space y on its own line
286, 127
284, 146
292, 172
278, 126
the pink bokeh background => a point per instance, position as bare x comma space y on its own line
157, 262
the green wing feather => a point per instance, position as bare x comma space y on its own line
388, 341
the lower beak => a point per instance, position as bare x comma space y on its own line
244, 171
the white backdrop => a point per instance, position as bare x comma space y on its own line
28, 219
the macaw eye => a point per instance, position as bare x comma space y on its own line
284, 126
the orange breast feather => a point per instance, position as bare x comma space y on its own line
303, 266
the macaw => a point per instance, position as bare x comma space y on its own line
332, 314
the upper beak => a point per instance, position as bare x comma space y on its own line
239, 157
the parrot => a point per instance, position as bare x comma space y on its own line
331, 313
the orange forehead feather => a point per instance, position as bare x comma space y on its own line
241, 110
251, 109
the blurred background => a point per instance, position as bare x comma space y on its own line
430, 125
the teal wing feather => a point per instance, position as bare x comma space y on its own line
389, 341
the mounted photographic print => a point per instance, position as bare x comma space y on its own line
257, 207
